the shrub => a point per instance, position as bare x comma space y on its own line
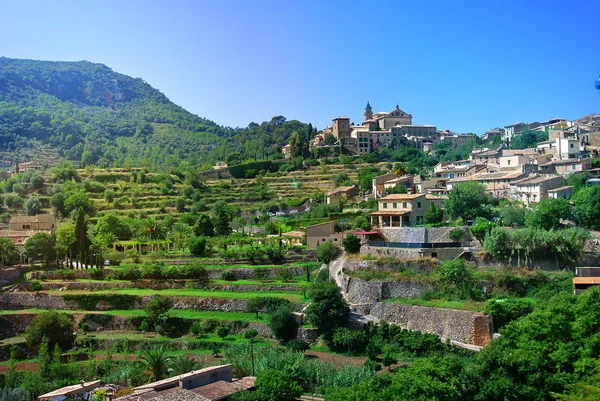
352, 341
351, 244
298, 345
58, 328
255, 256
157, 309
128, 273
285, 274
327, 251
283, 324
228, 275
114, 258
210, 325
223, 331
260, 273
275, 255
456, 234
197, 328
505, 311
152, 271
35, 286
65, 274
198, 246
96, 274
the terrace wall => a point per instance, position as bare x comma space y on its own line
463, 326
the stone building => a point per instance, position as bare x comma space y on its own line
319, 233
534, 188
334, 197
403, 210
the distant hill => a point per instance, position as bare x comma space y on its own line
88, 113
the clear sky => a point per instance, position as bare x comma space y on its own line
461, 65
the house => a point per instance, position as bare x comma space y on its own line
492, 134
220, 165
407, 181
214, 383
378, 183
334, 197
561, 192
585, 277
511, 130
566, 166
19, 168
482, 156
40, 222
320, 233
436, 186
496, 184
71, 392
403, 210
534, 188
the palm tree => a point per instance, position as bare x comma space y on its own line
181, 234
182, 364
8, 250
153, 229
154, 361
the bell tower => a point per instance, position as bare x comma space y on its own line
368, 112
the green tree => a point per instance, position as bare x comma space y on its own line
222, 223
154, 362
157, 310
481, 228
198, 246
587, 207
272, 385
223, 331
328, 309
32, 205
283, 324
204, 226
468, 200
8, 251
40, 246
66, 241
548, 213
58, 328
64, 171
351, 243
82, 242
328, 251
433, 215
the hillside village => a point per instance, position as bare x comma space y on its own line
349, 260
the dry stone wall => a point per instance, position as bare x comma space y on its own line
463, 326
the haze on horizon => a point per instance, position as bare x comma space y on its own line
465, 66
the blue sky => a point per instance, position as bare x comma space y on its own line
465, 66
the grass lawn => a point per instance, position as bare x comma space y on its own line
438, 303
291, 296
122, 335
299, 281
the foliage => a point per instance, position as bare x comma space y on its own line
548, 213
351, 341
456, 234
228, 275
266, 304
505, 311
283, 324
433, 215
223, 331
56, 327
468, 200
154, 362
8, 251
32, 205
481, 227
198, 246
157, 310
511, 216
327, 251
328, 309
529, 245
587, 207
90, 301
40, 246
351, 243
272, 385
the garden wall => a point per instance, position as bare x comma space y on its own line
463, 326
11, 274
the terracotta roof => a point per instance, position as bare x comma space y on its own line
586, 280
294, 234
341, 189
220, 390
434, 197
401, 197
536, 179
516, 152
489, 176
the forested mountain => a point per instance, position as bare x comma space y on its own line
89, 113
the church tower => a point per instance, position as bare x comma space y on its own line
368, 112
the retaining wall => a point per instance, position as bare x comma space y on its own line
463, 326
11, 274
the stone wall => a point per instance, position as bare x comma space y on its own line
11, 274
463, 326
12, 325
19, 300
159, 285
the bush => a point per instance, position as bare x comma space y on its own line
114, 258
505, 311
285, 274
157, 309
351, 341
198, 246
456, 234
58, 328
228, 275
298, 345
128, 273
351, 244
260, 273
96, 274
327, 251
275, 255
35, 286
223, 331
152, 271
197, 328
283, 324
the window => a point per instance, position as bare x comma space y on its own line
509, 162
404, 205
394, 205
573, 167
419, 204
385, 205
26, 227
572, 146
